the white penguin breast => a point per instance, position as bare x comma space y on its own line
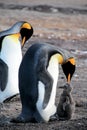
11, 51
11, 54
50, 109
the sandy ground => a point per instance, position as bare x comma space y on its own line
61, 23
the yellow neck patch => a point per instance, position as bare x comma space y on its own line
58, 57
15, 37
26, 25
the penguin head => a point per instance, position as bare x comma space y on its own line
69, 68
20, 30
26, 32
67, 88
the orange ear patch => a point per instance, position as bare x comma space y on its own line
72, 61
26, 25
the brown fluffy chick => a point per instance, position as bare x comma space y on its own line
66, 106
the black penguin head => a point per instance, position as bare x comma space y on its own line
23, 28
26, 32
69, 68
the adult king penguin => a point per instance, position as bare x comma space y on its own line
11, 56
38, 76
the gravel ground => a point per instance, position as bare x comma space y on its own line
62, 24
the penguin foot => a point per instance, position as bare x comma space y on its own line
54, 117
21, 119
18, 120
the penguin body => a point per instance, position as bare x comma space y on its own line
38, 76
11, 55
66, 106
12, 59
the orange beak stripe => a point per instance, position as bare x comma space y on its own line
68, 80
23, 41
72, 61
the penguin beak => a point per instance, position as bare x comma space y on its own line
23, 41
69, 68
69, 78
61, 87
65, 85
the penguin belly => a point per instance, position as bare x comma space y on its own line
50, 109
11, 54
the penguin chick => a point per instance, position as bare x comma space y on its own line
66, 104
11, 41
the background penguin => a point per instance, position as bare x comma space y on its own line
38, 76
11, 56
66, 106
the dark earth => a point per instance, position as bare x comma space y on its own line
60, 23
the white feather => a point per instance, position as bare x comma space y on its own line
11, 54
50, 109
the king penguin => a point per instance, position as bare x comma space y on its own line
11, 41
38, 77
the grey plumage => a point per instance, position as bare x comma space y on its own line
66, 106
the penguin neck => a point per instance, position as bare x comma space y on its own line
11, 51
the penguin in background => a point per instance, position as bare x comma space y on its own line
11, 41
66, 105
38, 77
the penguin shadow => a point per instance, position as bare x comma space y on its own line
66, 106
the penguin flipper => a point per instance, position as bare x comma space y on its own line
3, 75
46, 78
